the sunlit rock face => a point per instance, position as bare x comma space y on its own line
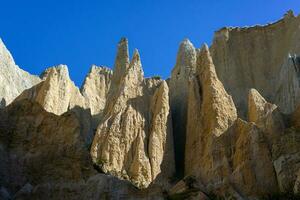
56, 93
134, 140
221, 150
95, 88
225, 124
13, 79
211, 112
260, 57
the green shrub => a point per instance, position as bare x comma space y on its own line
157, 77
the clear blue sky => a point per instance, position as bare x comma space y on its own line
79, 33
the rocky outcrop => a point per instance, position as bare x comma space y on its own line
13, 79
265, 115
286, 158
258, 107
286, 155
56, 93
95, 88
134, 139
250, 177
184, 69
45, 157
40, 146
221, 152
46, 133
255, 57
288, 91
223, 158
211, 112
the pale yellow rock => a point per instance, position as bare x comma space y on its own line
258, 107
265, 115
13, 80
47, 159
255, 57
211, 112
134, 140
44, 154
225, 159
160, 139
56, 93
217, 105
221, 152
95, 88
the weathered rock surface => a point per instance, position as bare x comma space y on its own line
56, 93
46, 158
40, 146
95, 88
211, 112
222, 153
134, 139
187, 188
253, 173
46, 133
255, 57
286, 155
287, 95
265, 115
184, 69
13, 79
286, 158
258, 107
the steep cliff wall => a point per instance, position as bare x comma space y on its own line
259, 57
232, 110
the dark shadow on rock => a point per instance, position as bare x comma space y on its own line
86, 123
2, 103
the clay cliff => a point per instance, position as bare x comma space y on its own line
261, 57
225, 125
13, 79
182, 72
95, 89
134, 139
